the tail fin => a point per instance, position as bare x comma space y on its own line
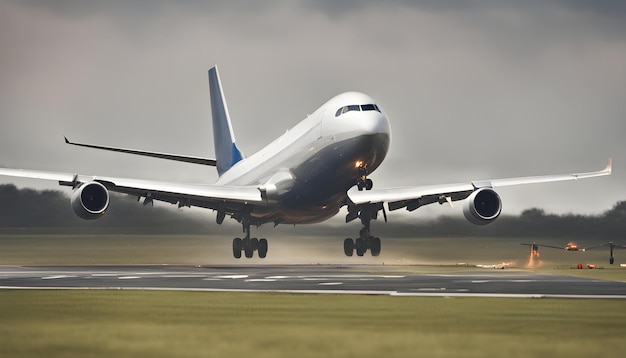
226, 151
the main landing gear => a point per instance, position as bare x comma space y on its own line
367, 213
249, 245
362, 244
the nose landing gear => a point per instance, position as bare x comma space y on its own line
363, 182
367, 213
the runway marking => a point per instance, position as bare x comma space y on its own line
429, 289
234, 277
57, 277
261, 280
183, 276
104, 274
479, 281
330, 283
128, 277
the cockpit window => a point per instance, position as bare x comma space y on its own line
356, 107
369, 107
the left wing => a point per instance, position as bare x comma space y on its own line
417, 196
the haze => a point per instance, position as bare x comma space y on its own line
474, 89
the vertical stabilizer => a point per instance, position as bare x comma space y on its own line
226, 151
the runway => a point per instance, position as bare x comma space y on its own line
379, 280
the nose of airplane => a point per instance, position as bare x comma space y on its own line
354, 114
355, 124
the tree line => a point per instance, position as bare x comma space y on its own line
28, 209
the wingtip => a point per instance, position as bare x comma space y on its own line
66, 140
609, 166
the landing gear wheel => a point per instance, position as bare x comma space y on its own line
262, 248
369, 184
375, 246
237, 247
348, 247
361, 247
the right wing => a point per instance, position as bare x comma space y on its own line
609, 244
179, 158
228, 199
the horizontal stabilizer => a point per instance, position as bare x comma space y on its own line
179, 158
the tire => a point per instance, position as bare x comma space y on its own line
237, 246
262, 248
348, 247
360, 247
376, 246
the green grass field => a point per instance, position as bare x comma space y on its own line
98, 323
91, 323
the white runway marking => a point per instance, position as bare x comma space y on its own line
128, 277
261, 280
234, 277
56, 277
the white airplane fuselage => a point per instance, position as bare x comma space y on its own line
308, 170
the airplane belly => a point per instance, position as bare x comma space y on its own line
322, 180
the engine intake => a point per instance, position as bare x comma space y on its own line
90, 201
482, 207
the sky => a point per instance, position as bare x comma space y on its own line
473, 89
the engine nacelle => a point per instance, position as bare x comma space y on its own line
90, 201
482, 207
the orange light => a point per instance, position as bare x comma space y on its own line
358, 164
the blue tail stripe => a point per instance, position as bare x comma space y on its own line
237, 155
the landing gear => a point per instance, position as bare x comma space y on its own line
363, 182
249, 245
361, 245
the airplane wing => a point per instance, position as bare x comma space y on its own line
227, 198
417, 196
542, 245
609, 244
179, 158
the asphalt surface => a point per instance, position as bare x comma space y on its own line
357, 279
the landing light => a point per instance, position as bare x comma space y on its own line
358, 164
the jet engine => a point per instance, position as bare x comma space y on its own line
90, 200
482, 207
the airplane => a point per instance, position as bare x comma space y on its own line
305, 176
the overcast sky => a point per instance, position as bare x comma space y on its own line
473, 89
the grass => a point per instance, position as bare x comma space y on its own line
94, 323
86, 323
